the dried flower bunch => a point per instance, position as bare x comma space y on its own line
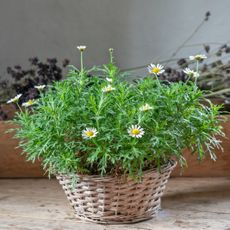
109, 126
213, 77
30, 81
214, 74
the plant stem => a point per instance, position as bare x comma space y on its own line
187, 39
99, 109
19, 107
187, 80
82, 66
197, 70
197, 66
111, 55
158, 82
218, 92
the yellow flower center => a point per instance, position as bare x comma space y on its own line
155, 70
89, 133
135, 131
30, 102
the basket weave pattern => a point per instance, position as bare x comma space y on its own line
117, 200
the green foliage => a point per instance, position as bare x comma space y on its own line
52, 129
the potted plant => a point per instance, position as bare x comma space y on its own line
113, 144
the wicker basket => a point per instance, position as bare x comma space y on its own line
113, 200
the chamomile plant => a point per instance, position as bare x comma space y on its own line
105, 125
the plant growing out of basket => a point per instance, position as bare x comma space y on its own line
104, 125
116, 138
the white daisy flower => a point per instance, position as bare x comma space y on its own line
156, 69
89, 133
109, 79
107, 89
81, 48
191, 73
198, 57
39, 87
28, 103
136, 131
145, 107
15, 99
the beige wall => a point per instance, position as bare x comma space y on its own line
139, 30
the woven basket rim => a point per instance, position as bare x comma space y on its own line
171, 164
